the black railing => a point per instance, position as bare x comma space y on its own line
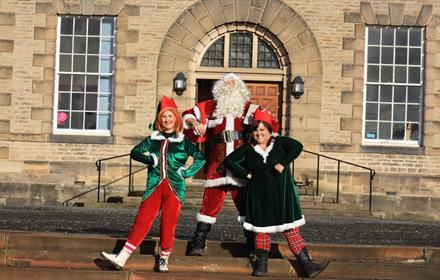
339, 161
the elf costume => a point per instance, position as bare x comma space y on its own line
166, 155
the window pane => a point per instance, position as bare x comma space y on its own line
94, 26
412, 131
92, 63
64, 83
65, 44
67, 25
372, 93
77, 120
77, 101
107, 46
371, 130
387, 36
105, 84
63, 120
240, 50
399, 112
398, 131
372, 73
386, 93
400, 74
79, 44
401, 54
106, 64
79, 63
104, 121
91, 102
373, 54
214, 56
414, 75
385, 112
412, 113
93, 45
64, 101
66, 63
104, 103
80, 25
414, 56
387, 55
399, 94
371, 111
107, 27
384, 130
402, 36
373, 36
413, 94
90, 122
415, 37
78, 83
92, 84
386, 74
266, 56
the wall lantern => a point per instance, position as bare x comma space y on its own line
297, 87
179, 83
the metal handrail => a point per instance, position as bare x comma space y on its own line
371, 171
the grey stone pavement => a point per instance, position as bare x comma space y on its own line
116, 222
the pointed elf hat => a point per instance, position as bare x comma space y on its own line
166, 103
263, 115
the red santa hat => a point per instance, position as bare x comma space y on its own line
166, 103
266, 116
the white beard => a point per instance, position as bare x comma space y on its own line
232, 105
230, 96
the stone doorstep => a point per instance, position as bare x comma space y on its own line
236, 266
84, 243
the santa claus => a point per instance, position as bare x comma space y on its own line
221, 124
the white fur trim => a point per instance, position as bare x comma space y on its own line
241, 219
185, 119
277, 228
206, 219
178, 139
157, 135
179, 171
155, 160
264, 153
224, 181
214, 123
197, 113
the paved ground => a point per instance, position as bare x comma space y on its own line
318, 229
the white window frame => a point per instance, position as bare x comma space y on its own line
83, 131
391, 142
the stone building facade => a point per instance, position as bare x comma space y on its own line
46, 156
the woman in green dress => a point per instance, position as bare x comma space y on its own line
272, 202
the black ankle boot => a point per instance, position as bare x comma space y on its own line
197, 243
310, 268
260, 260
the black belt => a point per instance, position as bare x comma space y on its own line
227, 136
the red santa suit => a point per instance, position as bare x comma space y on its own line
223, 135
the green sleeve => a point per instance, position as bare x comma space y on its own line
197, 155
137, 153
233, 161
292, 147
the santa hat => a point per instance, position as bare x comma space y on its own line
166, 103
266, 116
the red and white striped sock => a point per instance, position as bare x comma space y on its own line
129, 248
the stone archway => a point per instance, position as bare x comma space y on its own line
190, 35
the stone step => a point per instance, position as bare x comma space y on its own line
95, 243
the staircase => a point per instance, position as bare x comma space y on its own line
50, 256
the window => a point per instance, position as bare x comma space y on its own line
240, 49
393, 85
85, 74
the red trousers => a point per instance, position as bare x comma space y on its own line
162, 198
213, 199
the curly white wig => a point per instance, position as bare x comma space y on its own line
231, 94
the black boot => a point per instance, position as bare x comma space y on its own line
198, 242
260, 260
310, 268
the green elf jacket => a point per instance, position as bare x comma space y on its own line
166, 158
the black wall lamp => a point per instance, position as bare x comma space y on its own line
297, 87
179, 83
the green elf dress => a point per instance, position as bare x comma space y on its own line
272, 201
166, 158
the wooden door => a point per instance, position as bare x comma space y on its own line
268, 96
